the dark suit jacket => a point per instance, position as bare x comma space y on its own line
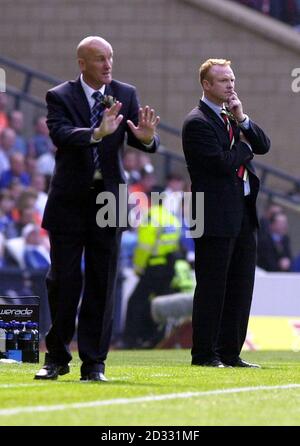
69, 125
213, 168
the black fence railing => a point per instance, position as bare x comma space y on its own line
29, 75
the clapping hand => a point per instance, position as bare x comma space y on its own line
147, 123
110, 121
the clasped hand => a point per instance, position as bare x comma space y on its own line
235, 106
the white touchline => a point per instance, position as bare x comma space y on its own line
42, 384
142, 399
17, 385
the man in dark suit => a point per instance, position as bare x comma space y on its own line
219, 145
88, 131
273, 249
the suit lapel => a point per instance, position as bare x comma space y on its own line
211, 115
81, 103
108, 90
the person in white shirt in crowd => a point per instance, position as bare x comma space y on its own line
7, 145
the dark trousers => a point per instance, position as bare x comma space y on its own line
66, 284
225, 269
140, 329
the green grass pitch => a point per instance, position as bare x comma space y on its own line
156, 388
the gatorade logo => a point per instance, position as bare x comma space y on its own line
16, 313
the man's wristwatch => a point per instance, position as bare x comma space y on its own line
241, 122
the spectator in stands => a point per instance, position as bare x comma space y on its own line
173, 193
27, 200
31, 166
16, 122
286, 11
128, 245
186, 242
26, 216
40, 143
145, 163
274, 253
269, 210
258, 5
38, 183
16, 189
147, 182
187, 245
297, 16
142, 189
2, 249
7, 145
17, 171
6, 222
3, 112
45, 163
131, 166
36, 255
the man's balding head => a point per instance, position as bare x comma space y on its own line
89, 42
95, 58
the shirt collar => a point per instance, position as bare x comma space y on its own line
89, 90
216, 108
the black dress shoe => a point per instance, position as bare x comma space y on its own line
94, 376
51, 371
241, 363
212, 363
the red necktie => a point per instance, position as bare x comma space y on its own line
228, 127
241, 169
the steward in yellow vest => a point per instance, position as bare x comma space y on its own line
154, 258
158, 237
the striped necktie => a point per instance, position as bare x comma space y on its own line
242, 171
96, 115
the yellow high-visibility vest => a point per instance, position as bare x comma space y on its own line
158, 236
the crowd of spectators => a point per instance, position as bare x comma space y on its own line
26, 166
287, 11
